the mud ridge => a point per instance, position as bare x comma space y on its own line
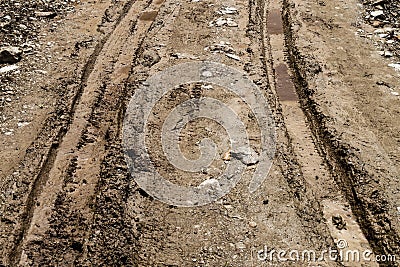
369, 206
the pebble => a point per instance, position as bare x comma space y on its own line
207, 87
253, 224
395, 93
235, 57
220, 22
388, 54
221, 47
231, 23
210, 184
246, 155
8, 68
227, 156
45, 14
224, 22
22, 124
10, 132
228, 11
207, 74
396, 66
377, 13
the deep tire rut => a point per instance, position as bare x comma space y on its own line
371, 213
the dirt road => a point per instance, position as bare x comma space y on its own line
68, 198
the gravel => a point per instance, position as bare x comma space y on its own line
20, 20
384, 16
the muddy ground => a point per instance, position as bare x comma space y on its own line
327, 70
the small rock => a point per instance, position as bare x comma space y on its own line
9, 132
388, 54
231, 23
22, 124
253, 224
207, 74
227, 156
224, 21
207, 87
396, 66
246, 155
8, 68
377, 13
235, 57
10, 55
395, 93
221, 47
228, 11
211, 184
220, 22
45, 14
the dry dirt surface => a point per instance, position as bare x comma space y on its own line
327, 71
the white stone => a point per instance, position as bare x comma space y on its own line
235, 57
8, 68
377, 13
396, 66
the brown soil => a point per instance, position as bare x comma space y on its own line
68, 199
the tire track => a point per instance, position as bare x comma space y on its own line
41, 154
49, 182
371, 212
49, 159
325, 196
